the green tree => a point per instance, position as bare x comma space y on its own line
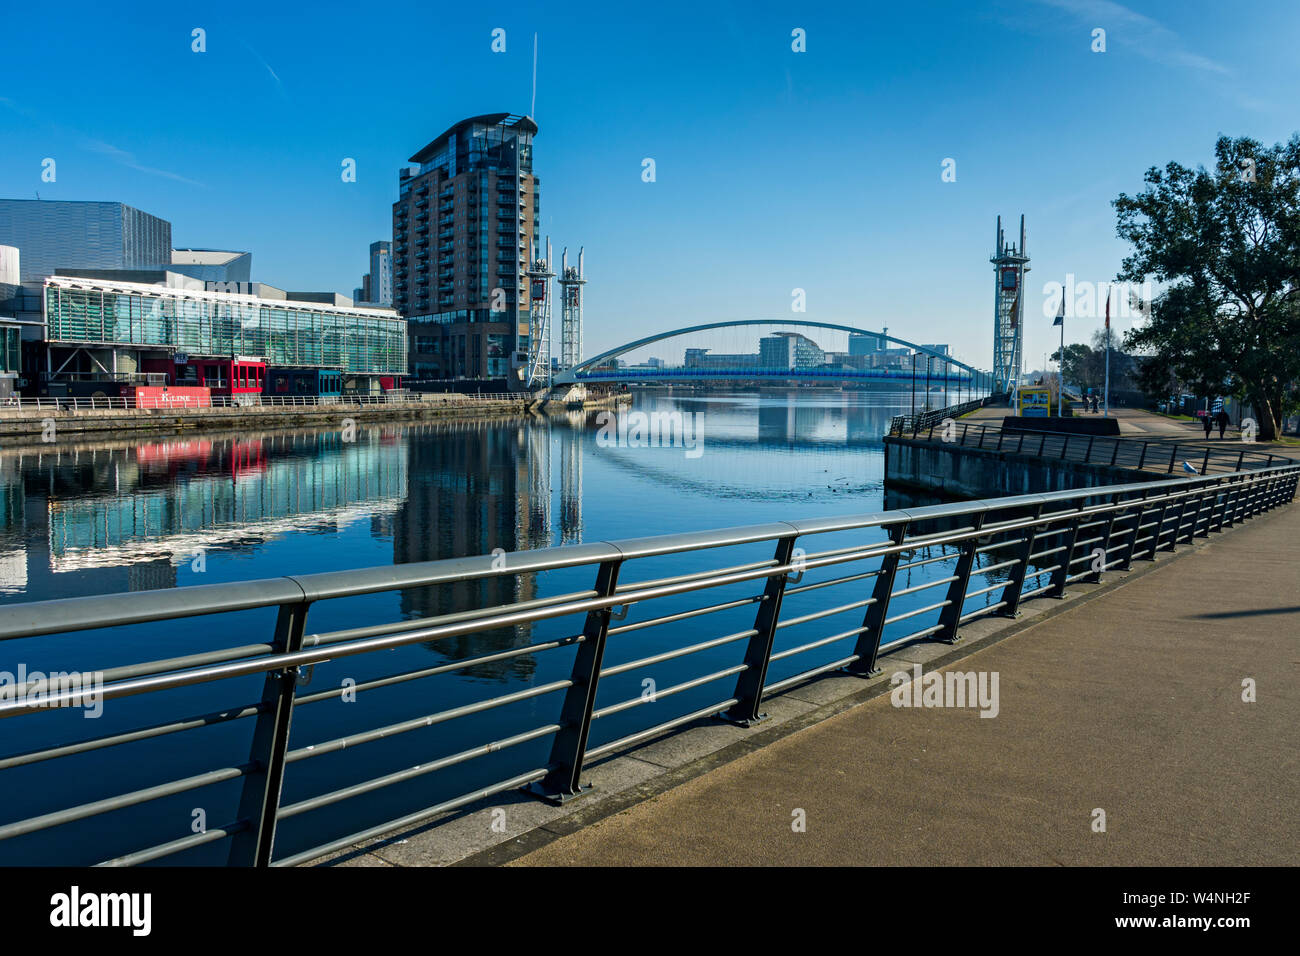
1226, 244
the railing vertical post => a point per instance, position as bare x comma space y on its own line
1219, 509
1240, 458
950, 616
1016, 579
259, 801
570, 744
1095, 576
1173, 456
1114, 452
1063, 570
1130, 541
1087, 452
1065, 446
1042, 443
1178, 524
1150, 554
1205, 465
1000, 434
1143, 458
1204, 504
758, 654
873, 619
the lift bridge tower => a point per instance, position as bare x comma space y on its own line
539, 318
1009, 267
571, 282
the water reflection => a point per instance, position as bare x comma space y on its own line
128, 515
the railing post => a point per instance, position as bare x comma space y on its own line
1178, 524
950, 616
873, 619
1042, 443
1000, 434
1173, 455
1130, 540
1143, 458
1205, 465
1094, 577
1150, 554
1065, 446
758, 654
1241, 458
1016, 579
1087, 452
569, 747
1063, 570
1114, 452
1205, 503
259, 801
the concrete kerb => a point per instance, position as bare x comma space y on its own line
468, 838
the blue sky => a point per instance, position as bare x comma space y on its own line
775, 170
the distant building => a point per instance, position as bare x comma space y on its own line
377, 285
213, 265
864, 344
790, 350
937, 366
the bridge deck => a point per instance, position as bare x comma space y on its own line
1131, 703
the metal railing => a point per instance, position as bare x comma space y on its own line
904, 424
87, 403
1116, 452
988, 556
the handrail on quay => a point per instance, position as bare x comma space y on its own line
1115, 452
995, 553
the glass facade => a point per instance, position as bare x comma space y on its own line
281, 333
10, 348
53, 234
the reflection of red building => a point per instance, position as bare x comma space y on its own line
167, 451
246, 458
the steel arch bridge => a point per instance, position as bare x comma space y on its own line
588, 370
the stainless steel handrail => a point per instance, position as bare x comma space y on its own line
1008, 531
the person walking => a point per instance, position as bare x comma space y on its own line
1221, 420
1207, 420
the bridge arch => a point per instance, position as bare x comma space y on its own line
572, 375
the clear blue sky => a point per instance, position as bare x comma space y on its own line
775, 170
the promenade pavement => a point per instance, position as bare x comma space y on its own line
1130, 703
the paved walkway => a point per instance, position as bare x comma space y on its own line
1139, 423
1130, 703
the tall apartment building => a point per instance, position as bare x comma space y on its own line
462, 227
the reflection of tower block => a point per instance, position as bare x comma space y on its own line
1009, 267
571, 282
539, 321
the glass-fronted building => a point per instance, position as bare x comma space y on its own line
132, 332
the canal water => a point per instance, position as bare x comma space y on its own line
141, 514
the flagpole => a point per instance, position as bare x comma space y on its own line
1060, 367
1106, 392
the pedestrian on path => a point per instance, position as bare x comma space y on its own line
1222, 419
1207, 420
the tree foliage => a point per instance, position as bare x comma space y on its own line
1225, 243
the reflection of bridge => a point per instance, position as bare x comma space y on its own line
604, 367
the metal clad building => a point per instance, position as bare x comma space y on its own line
91, 235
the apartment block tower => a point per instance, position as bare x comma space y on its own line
463, 225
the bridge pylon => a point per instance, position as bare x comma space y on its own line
1010, 263
539, 318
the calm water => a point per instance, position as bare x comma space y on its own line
139, 515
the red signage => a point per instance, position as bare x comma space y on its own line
177, 396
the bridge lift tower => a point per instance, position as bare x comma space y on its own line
1009, 267
539, 318
571, 282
